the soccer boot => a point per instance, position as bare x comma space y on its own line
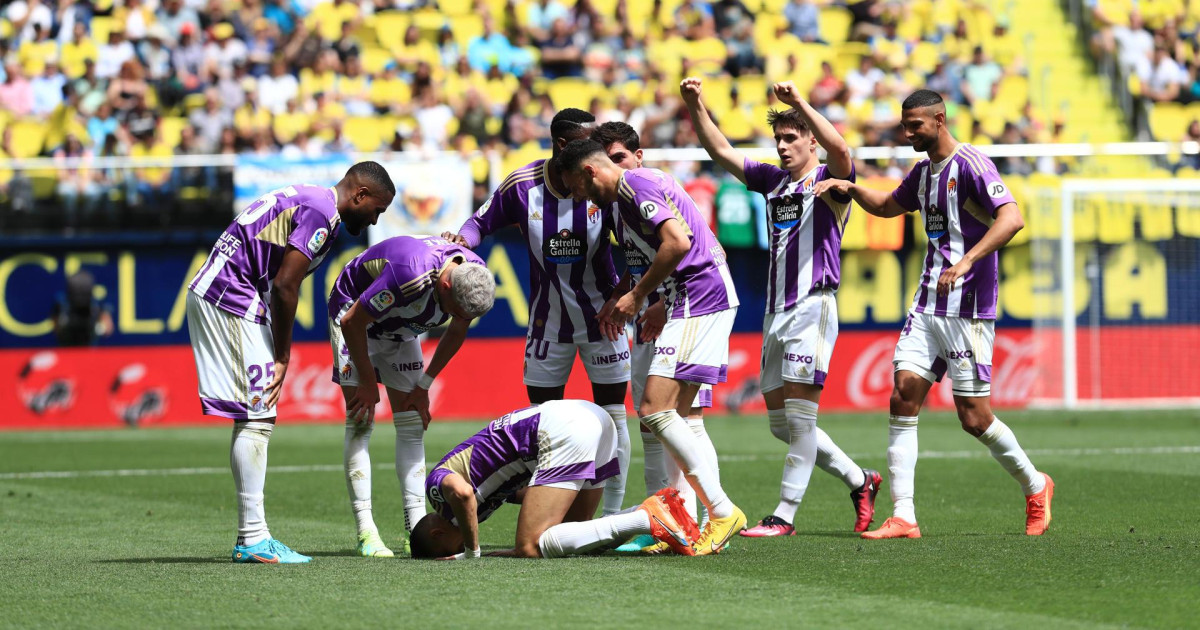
718, 531
269, 551
404, 542
683, 516
664, 527
1037, 509
768, 527
637, 543
863, 498
894, 528
656, 549
370, 545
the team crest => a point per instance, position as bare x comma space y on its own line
382, 300
648, 209
347, 371
951, 185
256, 403
318, 240
422, 202
808, 184
593, 213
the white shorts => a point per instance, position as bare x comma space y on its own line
933, 346
577, 446
235, 361
640, 362
798, 343
398, 364
694, 349
548, 363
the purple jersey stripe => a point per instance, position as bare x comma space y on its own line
922, 295
791, 273
943, 248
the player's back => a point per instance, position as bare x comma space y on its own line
238, 274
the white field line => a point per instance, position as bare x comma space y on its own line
279, 470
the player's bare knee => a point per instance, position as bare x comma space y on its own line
975, 418
526, 549
900, 405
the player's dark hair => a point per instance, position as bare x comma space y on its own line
374, 174
787, 119
568, 124
577, 152
616, 131
921, 98
421, 538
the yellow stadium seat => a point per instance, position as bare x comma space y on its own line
707, 56
363, 132
170, 129
479, 169
390, 27
27, 138
455, 8
1168, 121
102, 25
835, 24
374, 59
428, 21
924, 57
766, 26
571, 92
752, 89
737, 125
465, 28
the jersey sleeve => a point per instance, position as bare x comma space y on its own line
906, 193
761, 178
397, 285
495, 213
310, 230
852, 177
984, 186
646, 197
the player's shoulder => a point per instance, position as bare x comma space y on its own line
975, 162
642, 178
529, 172
319, 199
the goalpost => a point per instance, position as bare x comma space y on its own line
1128, 340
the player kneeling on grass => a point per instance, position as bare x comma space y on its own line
380, 304
560, 453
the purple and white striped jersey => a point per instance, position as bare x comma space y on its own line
238, 275
395, 280
806, 232
570, 259
701, 284
958, 199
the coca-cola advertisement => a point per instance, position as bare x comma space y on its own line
149, 386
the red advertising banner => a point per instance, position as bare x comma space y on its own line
146, 386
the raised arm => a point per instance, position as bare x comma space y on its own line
715, 143
838, 160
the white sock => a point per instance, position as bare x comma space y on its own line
248, 459
801, 456
410, 464
614, 488
834, 461
902, 465
655, 471
683, 445
676, 479
1004, 447
566, 539
356, 459
696, 424
779, 427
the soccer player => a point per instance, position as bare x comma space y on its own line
659, 221
380, 304
240, 309
623, 146
969, 214
800, 326
572, 274
552, 459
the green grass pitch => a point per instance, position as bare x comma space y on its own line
149, 546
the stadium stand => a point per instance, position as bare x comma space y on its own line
299, 77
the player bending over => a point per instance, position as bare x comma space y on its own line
623, 146
571, 275
560, 453
380, 304
659, 222
969, 214
240, 309
800, 326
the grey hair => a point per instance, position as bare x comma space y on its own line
474, 288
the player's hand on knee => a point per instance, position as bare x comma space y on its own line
652, 321
362, 405
418, 401
275, 387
